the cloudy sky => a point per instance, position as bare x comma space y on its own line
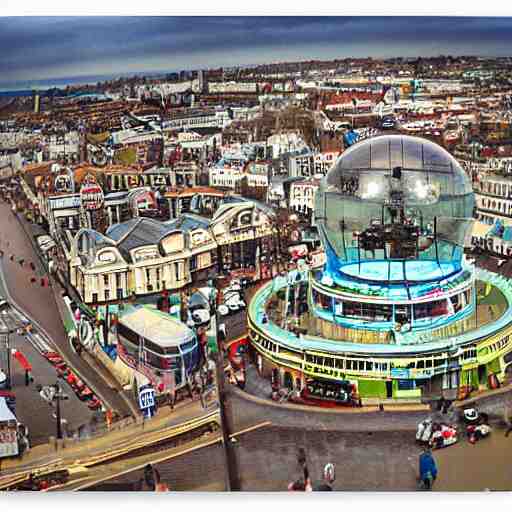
35, 48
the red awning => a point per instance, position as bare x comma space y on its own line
23, 361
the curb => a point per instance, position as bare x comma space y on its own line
45, 334
314, 409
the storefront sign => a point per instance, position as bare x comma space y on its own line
400, 373
107, 257
60, 203
91, 196
8, 441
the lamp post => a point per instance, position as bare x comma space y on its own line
7, 350
49, 394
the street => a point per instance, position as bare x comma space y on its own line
39, 303
31, 409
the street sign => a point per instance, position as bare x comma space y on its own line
147, 401
47, 393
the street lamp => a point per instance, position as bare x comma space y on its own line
49, 394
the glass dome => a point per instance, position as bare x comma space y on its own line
395, 197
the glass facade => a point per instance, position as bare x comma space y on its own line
393, 198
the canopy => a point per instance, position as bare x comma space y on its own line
5, 413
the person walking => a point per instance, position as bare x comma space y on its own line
171, 398
149, 476
427, 469
329, 476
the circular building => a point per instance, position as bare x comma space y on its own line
396, 311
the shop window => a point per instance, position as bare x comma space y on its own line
405, 385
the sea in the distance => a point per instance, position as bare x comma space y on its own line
25, 87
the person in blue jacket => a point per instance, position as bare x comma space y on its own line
428, 469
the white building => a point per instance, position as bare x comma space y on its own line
61, 146
199, 119
232, 87
493, 195
302, 195
283, 143
225, 177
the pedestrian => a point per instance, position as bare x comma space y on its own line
171, 398
329, 476
108, 418
427, 469
301, 484
149, 476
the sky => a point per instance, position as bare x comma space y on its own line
40, 48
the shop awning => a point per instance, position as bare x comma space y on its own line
45, 242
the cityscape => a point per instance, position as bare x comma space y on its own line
226, 265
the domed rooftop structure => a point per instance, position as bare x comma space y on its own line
395, 197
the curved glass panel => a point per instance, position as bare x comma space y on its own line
395, 197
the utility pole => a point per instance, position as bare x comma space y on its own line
231, 481
57, 410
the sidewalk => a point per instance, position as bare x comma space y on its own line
107, 442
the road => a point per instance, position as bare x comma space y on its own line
31, 410
39, 303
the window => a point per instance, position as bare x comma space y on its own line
176, 271
127, 334
106, 280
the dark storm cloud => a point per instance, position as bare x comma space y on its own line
43, 47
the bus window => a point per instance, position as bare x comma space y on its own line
127, 334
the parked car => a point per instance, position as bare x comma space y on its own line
233, 301
388, 123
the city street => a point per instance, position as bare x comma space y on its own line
31, 409
39, 303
